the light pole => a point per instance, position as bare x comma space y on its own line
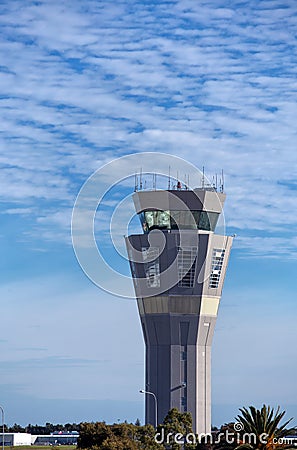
2, 411
142, 391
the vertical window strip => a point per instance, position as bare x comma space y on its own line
151, 266
186, 262
216, 267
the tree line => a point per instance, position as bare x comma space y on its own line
260, 429
127, 436
48, 428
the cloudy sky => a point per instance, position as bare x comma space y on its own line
82, 83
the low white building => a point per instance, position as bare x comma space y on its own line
14, 439
18, 439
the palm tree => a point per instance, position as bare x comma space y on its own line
261, 428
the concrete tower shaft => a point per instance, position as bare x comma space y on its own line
178, 266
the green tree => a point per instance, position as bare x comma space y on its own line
264, 425
145, 436
176, 427
16, 429
124, 431
119, 443
125, 436
93, 434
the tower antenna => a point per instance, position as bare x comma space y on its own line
203, 177
140, 183
154, 181
169, 179
135, 182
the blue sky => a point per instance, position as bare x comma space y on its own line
82, 83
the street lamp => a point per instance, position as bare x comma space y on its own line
142, 391
2, 411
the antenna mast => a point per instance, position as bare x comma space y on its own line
203, 178
140, 184
135, 182
154, 181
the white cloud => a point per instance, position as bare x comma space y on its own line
86, 83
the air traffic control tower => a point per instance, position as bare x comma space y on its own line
178, 266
